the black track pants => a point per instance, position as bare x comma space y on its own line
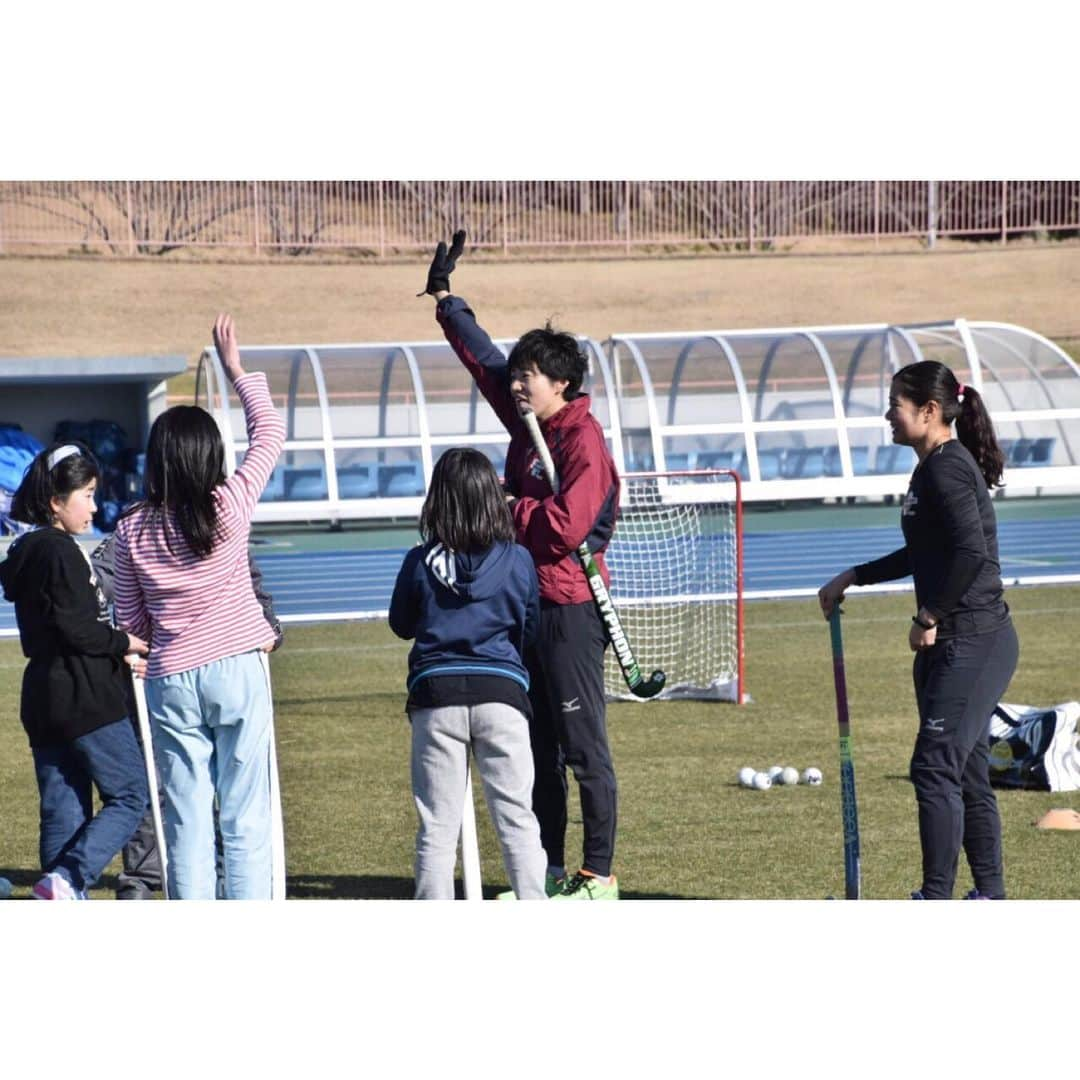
958, 683
566, 670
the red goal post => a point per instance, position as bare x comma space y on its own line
676, 565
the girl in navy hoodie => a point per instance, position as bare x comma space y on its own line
470, 598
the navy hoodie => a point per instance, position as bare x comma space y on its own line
75, 680
472, 613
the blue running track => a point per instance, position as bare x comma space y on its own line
306, 585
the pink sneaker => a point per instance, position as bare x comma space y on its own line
54, 886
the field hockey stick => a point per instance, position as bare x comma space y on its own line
277, 821
141, 715
848, 807
638, 684
470, 848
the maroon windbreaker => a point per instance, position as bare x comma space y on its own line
551, 526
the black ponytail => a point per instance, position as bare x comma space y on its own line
929, 380
975, 430
32, 501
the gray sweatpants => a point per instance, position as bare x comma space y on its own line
499, 736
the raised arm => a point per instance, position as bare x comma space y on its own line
472, 344
265, 429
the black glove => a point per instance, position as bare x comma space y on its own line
442, 266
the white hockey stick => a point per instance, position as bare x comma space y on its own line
277, 820
470, 848
631, 672
143, 719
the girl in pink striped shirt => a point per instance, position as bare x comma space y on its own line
182, 582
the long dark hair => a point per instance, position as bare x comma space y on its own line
32, 500
185, 461
465, 507
929, 380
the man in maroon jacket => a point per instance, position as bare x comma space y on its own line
545, 372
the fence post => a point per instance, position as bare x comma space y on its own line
626, 210
931, 213
131, 221
1004, 210
750, 217
877, 212
255, 213
505, 227
382, 220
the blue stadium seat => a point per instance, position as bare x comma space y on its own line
715, 459
770, 463
678, 462
304, 484
1042, 451
1021, 452
357, 482
406, 478
275, 486
860, 460
894, 459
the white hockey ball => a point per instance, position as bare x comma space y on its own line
812, 776
775, 771
746, 776
762, 781
789, 775
5, 889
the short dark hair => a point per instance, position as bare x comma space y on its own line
31, 502
185, 461
465, 506
555, 354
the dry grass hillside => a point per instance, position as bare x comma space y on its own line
108, 306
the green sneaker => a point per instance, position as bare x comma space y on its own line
586, 887
552, 885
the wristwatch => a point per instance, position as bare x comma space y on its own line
919, 622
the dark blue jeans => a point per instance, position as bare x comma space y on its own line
73, 840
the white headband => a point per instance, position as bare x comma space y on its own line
60, 453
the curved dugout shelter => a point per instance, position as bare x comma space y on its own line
798, 412
366, 423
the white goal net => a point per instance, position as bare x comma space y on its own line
676, 580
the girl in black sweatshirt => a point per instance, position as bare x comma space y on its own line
962, 635
73, 704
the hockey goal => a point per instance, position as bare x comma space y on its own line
676, 580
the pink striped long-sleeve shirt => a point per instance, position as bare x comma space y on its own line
194, 611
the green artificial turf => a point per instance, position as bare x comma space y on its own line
686, 829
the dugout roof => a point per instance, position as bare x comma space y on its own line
798, 412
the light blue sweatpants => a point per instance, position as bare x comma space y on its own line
211, 731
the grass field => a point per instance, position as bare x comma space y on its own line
686, 829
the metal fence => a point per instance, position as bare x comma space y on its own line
387, 217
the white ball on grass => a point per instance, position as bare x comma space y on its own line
746, 776
789, 775
812, 776
5, 889
762, 781
775, 771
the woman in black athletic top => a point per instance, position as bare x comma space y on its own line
962, 636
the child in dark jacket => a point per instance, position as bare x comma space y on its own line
470, 598
73, 702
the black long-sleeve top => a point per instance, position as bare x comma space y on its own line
951, 549
74, 682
